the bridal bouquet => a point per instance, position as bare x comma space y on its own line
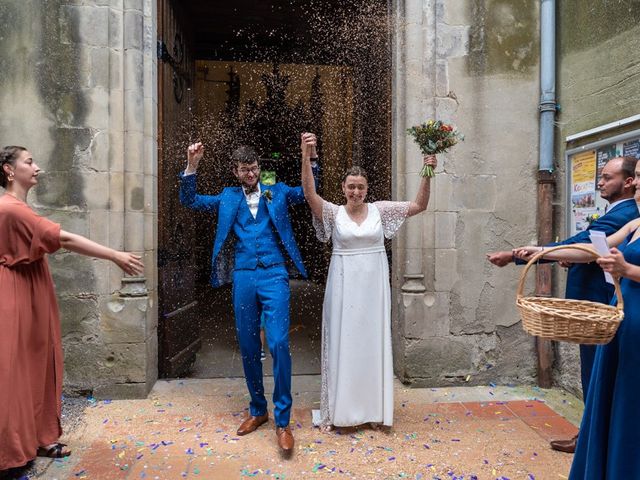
434, 137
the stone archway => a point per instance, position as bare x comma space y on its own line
341, 91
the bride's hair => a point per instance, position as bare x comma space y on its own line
355, 171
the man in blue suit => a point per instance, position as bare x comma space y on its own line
585, 281
253, 223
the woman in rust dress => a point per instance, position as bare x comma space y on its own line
30, 339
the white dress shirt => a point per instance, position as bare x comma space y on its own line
253, 200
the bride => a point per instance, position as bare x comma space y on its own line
356, 358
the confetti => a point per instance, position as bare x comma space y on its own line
318, 466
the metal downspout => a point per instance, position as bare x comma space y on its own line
546, 178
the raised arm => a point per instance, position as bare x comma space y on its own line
189, 197
195, 153
308, 147
128, 262
424, 190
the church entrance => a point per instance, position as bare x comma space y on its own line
260, 73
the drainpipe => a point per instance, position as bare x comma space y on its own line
546, 178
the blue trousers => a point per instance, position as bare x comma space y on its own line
266, 290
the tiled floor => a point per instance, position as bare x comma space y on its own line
186, 429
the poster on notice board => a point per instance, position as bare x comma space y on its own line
584, 168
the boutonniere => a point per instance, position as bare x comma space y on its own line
593, 217
268, 195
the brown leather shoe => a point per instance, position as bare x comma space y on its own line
285, 439
567, 446
251, 424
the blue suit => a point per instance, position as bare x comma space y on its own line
585, 281
254, 251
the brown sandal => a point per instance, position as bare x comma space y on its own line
53, 451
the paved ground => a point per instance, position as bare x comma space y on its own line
186, 429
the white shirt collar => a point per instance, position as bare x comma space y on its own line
611, 205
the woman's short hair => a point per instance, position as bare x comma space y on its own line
8, 155
355, 171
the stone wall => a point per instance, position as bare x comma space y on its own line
598, 83
474, 64
78, 89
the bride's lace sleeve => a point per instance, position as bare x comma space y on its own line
392, 215
324, 225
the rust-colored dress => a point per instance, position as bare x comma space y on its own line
30, 339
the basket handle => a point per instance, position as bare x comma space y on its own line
537, 256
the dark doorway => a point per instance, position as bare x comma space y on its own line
261, 73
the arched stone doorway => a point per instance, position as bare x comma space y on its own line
261, 72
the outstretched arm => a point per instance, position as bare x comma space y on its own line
577, 256
308, 146
563, 254
424, 190
128, 262
500, 259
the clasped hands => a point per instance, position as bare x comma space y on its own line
308, 144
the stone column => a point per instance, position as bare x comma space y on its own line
413, 86
130, 315
460, 62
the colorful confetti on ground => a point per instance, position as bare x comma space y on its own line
187, 429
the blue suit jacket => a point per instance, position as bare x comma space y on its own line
226, 206
585, 281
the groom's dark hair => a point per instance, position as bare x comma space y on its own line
244, 154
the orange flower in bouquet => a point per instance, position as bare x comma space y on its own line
434, 137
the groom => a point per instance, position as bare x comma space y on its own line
253, 220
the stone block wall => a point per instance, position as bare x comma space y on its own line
473, 64
78, 89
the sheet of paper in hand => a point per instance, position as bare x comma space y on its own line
599, 241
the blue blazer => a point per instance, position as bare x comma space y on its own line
226, 206
585, 281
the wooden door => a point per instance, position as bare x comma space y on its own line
178, 329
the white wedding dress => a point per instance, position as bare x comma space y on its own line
357, 364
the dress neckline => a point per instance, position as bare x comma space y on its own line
632, 235
13, 197
344, 207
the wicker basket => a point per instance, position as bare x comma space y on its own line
575, 321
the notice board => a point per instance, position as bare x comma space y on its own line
584, 167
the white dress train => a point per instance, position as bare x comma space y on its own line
356, 358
